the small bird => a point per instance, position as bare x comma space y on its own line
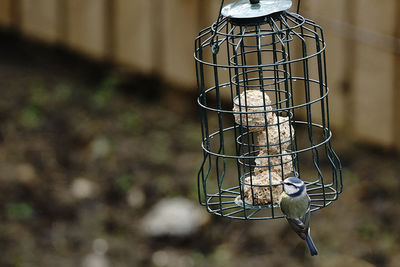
295, 204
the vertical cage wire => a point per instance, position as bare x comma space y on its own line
263, 97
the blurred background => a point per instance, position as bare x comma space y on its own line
100, 139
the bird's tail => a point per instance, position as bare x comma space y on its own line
311, 246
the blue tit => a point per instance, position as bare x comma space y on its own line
295, 204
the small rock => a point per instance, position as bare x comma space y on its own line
95, 260
82, 188
135, 198
174, 217
100, 147
160, 258
100, 246
26, 173
98, 257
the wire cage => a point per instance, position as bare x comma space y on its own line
263, 97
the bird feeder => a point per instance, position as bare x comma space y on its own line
263, 97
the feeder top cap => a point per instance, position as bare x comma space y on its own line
244, 9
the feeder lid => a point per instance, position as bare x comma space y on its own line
247, 9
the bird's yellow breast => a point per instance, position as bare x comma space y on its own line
293, 207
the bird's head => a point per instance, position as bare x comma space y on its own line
293, 186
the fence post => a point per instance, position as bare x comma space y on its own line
396, 81
86, 27
5, 13
39, 19
134, 26
179, 29
374, 72
327, 13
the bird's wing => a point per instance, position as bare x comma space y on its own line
298, 226
306, 217
301, 225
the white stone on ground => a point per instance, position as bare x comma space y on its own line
174, 217
135, 198
82, 188
95, 260
98, 257
100, 246
26, 173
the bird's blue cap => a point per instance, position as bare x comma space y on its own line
294, 181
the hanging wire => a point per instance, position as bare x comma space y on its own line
298, 6
220, 10
376, 39
215, 48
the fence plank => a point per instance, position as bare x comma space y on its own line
335, 48
86, 28
133, 33
209, 11
326, 13
39, 19
209, 14
373, 93
179, 29
396, 97
396, 83
5, 13
375, 72
377, 15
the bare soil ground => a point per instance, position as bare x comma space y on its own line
86, 151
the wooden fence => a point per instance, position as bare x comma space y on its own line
157, 36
